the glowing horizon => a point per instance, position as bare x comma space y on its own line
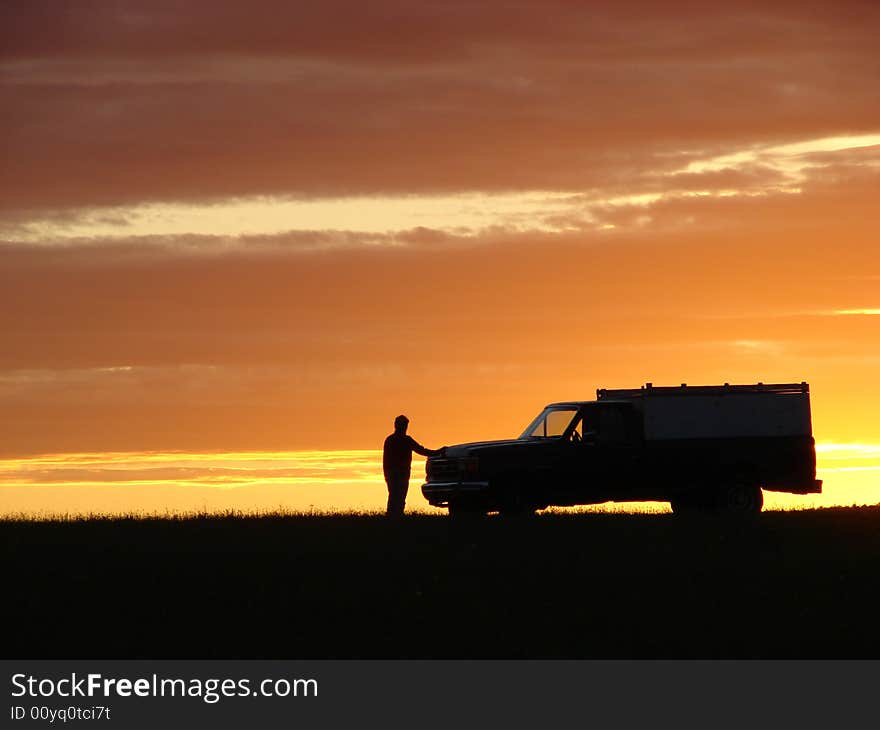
171, 483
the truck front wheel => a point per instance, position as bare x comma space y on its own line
516, 505
464, 509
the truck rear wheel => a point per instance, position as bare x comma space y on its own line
734, 499
741, 499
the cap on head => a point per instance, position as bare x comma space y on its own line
400, 421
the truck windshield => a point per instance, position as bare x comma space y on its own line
550, 423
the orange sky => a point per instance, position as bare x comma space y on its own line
271, 227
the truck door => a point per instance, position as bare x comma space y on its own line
580, 481
609, 464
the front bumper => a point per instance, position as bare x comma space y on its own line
439, 494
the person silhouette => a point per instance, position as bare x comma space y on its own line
397, 463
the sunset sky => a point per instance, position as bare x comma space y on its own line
238, 238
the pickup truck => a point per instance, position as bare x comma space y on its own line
701, 448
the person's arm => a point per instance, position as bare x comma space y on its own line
419, 449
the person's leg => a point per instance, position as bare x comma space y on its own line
398, 485
392, 500
402, 490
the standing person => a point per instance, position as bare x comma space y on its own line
397, 462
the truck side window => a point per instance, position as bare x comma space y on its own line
612, 425
578, 433
589, 424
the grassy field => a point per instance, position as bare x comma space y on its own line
791, 584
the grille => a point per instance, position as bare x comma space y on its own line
443, 470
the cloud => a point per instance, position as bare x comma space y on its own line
629, 183
207, 469
159, 101
832, 167
179, 482
373, 217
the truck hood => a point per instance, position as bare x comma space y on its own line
475, 447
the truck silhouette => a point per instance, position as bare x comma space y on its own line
701, 448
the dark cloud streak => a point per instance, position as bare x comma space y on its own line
396, 97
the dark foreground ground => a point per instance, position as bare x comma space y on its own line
796, 584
